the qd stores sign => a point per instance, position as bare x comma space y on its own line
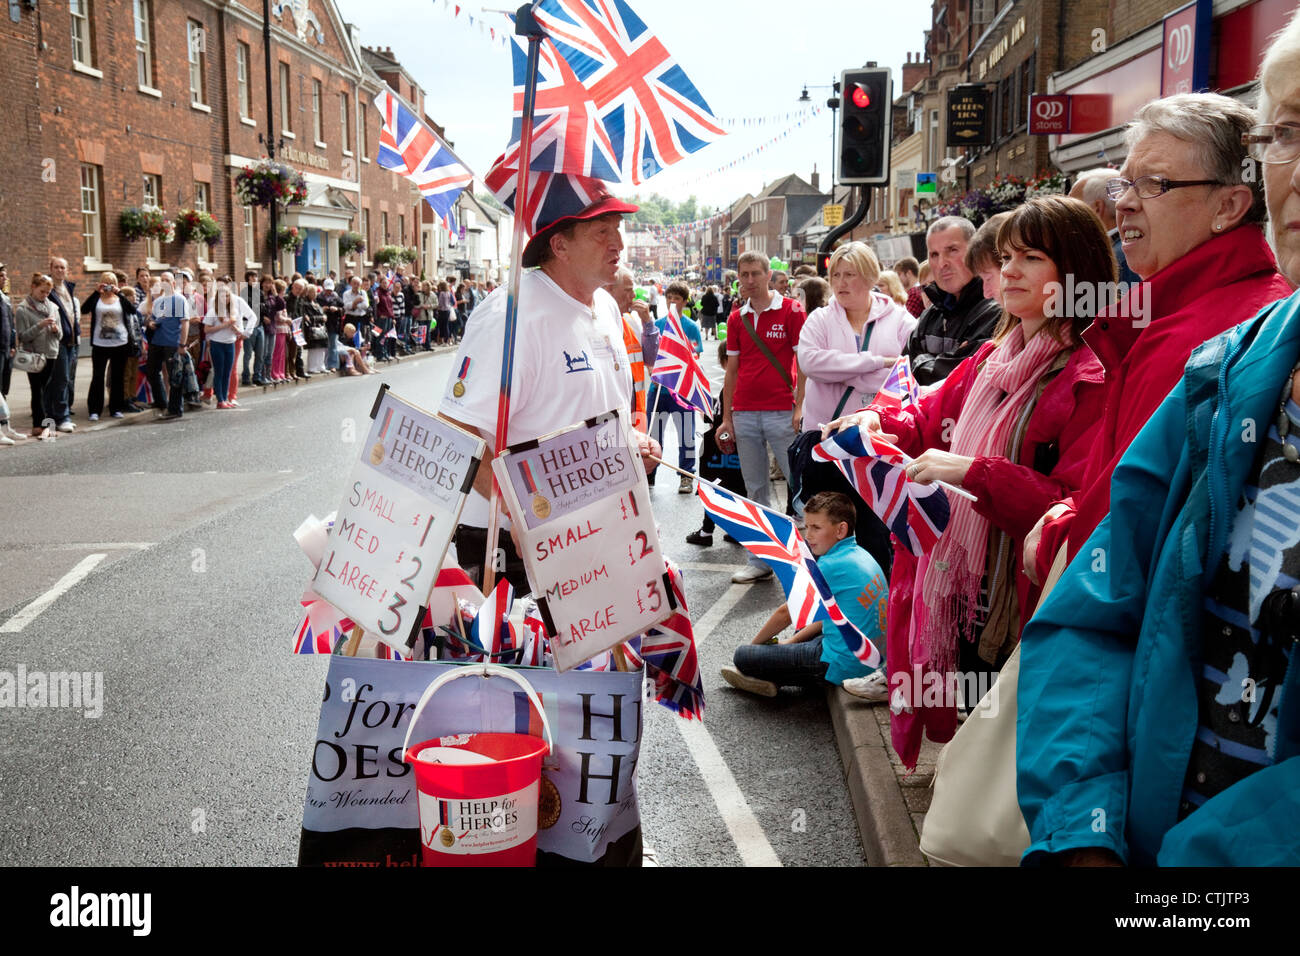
969, 116
581, 507
400, 509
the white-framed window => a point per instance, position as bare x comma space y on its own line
934, 140
316, 123
241, 76
203, 250
345, 121
197, 38
91, 221
143, 44
150, 200
250, 236
83, 48
286, 117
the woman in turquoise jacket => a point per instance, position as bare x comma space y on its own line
1159, 706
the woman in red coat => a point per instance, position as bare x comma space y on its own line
1012, 425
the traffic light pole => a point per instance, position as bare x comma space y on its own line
844, 228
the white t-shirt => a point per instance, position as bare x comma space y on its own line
570, 364
110, 327
236, 306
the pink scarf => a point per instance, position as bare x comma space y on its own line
995, 403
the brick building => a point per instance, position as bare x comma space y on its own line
119, 103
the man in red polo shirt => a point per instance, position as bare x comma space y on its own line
758, 393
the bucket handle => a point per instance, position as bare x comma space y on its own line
479, 670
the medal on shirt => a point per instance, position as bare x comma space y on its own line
458, 390
541, 507
377, 453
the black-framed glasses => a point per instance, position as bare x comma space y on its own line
1273, 143
1149, 187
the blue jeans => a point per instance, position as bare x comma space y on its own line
332, 355
754, 432
800, 665
264, 346
58, 400
223, 361
664, 408
251, 345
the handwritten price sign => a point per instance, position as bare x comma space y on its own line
587, 535
399, 512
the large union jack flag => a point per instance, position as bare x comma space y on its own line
916, 513
678, 369
409, 147
775, 540
628, 110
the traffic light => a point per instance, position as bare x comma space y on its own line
823, 264
865, 127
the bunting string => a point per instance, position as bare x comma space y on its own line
756, 151
498, 36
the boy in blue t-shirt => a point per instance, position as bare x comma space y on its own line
815, 654
663, 405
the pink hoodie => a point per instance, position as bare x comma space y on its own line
829, 356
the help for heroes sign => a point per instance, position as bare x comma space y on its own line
581, 507
401, 507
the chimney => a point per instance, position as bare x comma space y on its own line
815, 178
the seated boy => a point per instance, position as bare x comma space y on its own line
815, 655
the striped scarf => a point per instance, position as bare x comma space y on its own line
986, 427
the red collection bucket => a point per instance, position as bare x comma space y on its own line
478, 792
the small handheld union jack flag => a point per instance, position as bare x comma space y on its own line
678, 369
775, 540
916, 513
322, 626
668, 651
492, 629
900, 389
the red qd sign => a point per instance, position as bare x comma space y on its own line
1049, 113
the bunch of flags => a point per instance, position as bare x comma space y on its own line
409, 147
678, 369
668, 651
775, 540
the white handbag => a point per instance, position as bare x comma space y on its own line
974, 817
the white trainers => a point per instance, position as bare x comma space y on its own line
66, 427
752, 685
6, 440
11, 434
94, 417
751, 573
874, 687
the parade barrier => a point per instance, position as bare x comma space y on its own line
362, 801
478, 793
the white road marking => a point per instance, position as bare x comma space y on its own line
99, 546
745, 830
64, 584
713, 617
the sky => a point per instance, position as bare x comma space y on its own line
747, 60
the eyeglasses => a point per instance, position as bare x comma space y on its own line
1272, 143
1149, 187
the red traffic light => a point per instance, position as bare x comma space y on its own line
861, 98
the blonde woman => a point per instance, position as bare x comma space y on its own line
891, 285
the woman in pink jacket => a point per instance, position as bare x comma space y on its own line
1012, 424
846, 350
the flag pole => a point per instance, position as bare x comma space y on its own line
526, 25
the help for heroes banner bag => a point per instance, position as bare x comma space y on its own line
361, 806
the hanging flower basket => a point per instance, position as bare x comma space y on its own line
289, 239
351, 242
268, 182
1047, 184
195, 226
146, 223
